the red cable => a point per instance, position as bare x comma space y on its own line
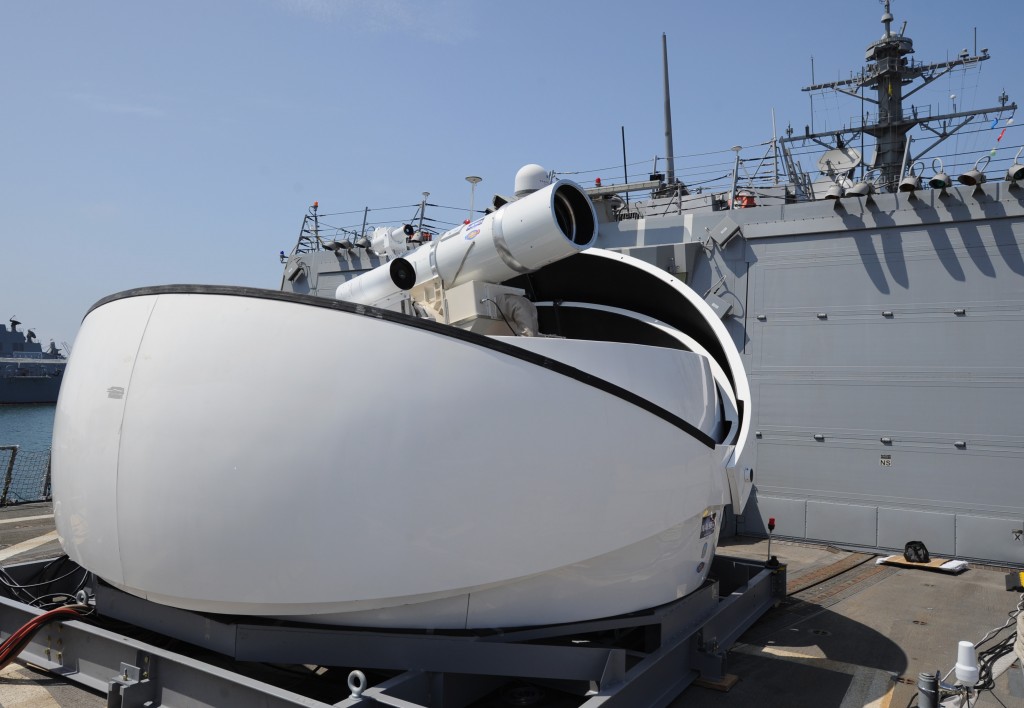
33, 623
14, 644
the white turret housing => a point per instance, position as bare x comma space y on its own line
396, 470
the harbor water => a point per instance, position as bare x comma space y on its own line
30, 426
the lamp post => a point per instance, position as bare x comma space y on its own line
473, 182
423, 209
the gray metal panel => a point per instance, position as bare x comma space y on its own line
892, 264
935, 342
853, 280
939, 409
935, 530
725, 231
920, 474
851, 524
789, 514
989, 538
675, 258
721, 307
799, 466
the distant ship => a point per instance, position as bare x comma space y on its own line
27, 373
872, 279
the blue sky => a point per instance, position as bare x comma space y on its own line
181, 142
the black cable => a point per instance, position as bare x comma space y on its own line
48, 581
988, 658
22, 591
487, 299
14, 587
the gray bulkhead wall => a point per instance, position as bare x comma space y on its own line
320, 273
884, 350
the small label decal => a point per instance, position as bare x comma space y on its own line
707, 524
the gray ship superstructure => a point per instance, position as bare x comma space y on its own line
878, 305
27, 373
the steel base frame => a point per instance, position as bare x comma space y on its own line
642, 659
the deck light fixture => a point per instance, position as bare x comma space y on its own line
836, 191
974, 176
860, 189
940, 180
912, 182
1016, 170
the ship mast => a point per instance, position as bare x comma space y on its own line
668, 113
887, 74
890, 73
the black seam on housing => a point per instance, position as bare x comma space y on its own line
430, 326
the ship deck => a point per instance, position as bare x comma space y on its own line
850, 633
